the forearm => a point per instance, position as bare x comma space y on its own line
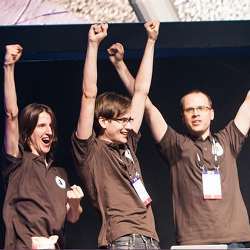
155, 121
144, 75
10, 98
73, 213
242, 119
125, 75
90, 71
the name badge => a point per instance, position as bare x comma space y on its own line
141, 191
211, 183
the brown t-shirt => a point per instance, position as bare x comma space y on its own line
35, 202
200, 221
106, 173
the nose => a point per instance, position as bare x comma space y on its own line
195, 112
49, 130
128, 125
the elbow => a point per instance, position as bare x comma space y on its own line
74, 215
11, 114
89, 94
142, 93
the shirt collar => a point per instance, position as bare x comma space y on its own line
200, 139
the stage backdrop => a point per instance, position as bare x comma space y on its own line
213, 57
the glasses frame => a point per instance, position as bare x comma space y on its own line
123, 120
198, 109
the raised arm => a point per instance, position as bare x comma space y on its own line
96, 34
154, 118
11, 136
144, 76
242, 119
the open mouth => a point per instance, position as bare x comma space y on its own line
46, 141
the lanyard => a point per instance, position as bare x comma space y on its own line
215, 155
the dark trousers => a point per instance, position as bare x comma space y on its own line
135, 241
236, 245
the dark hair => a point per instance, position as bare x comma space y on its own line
28, 120
195, 91
110, 105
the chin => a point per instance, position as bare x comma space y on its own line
197, 133
123, 140
46, 151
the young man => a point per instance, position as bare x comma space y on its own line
106, 157
37, 201
207, 201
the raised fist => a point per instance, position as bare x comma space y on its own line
12, 54
152, 28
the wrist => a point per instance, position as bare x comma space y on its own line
152, 40
7, 65
94, 44
118, 64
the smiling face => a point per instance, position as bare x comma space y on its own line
41, 139
116, 130
112, 117
197, 114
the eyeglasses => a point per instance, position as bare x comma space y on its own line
199, 109
124, 120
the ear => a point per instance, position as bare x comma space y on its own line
103, 122
211, 114
182, 117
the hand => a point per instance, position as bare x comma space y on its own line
74, 196
44, 242
116, 53
152, 28
12, 54
98, 32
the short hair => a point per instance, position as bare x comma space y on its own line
195, 91
28, 120
110, 105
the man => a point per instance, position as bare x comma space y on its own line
207, 202
37, 199
106, 157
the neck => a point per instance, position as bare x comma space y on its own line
104, 138
203, 135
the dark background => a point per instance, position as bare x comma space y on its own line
211, 56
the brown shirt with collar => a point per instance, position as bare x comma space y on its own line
200, 221
35, 202
107, 175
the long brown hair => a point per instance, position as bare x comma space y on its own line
28, 120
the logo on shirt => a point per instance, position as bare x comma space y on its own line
60, 182
128, 155
219, 149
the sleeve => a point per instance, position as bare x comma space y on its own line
133, 139
170, 145
232, 136
11, 163
81, 148
81, 151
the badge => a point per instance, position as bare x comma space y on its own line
211, 183
141, 191
60, 182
